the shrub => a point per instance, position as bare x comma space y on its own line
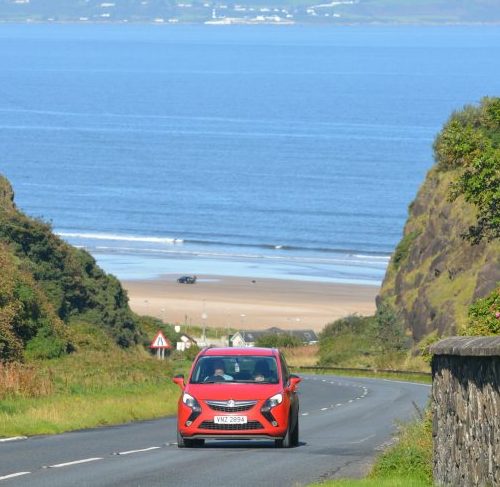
470, 144
274, 340
484, 316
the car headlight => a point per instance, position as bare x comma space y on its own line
272, 402
191, 402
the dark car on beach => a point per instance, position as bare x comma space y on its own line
186, 280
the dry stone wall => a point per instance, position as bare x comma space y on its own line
466, 411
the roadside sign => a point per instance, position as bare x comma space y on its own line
160, 342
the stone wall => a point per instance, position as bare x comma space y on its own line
466, 411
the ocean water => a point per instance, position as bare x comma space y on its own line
264, 151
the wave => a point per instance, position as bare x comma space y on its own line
203, 244
348, 261
121, 238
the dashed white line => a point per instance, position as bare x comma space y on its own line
138, 451
12, 475
324, 409
67, 464
350, 400
305, 414
13, 438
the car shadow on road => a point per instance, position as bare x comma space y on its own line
254, 444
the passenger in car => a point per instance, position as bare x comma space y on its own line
261, 372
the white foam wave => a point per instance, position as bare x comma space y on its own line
298, 260
121, 238
373, 257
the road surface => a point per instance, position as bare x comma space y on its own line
344, 423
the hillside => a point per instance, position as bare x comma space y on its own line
47, 284
449, 255
254, 11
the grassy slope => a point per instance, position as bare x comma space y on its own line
92, 389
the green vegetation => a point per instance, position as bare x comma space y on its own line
72, 354
47, 284
27, 319
376, 342
86, 389
448, 255
470, 143
407, 463
484, 316
274, 340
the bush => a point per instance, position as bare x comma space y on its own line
278, 341
46, 345
389, 330
484, 316
470, 144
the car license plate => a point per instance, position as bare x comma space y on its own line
230, 419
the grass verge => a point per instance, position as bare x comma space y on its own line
406, 464
90, 389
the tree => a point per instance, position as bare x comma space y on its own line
388, 328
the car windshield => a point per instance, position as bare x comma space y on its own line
235, 368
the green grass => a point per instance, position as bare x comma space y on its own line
406, 481
94, 389
406, 464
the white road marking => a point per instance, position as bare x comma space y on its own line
13, 438
324, 409
339, 404
305, 414
362, 440
12, 475
138, 451
350, 400
67, 464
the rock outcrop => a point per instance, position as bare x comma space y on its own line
435, 272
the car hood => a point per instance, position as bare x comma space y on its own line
235, 391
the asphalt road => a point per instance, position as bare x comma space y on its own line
344, 422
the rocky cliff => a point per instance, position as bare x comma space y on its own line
436, 271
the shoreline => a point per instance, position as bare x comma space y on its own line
249, 303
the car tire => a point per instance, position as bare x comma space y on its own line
295, 433
185, 443
180, 440
286, 442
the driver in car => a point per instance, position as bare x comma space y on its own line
219, 373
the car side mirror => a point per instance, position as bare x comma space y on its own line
293, 380
179, 380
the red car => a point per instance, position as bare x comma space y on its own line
238, 394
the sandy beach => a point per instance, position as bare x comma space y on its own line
243, 303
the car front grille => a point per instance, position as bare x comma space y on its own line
251, 425
231, 406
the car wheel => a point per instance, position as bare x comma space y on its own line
295, 433
186, 443
180, 440
286, 442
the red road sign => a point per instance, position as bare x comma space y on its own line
160, 341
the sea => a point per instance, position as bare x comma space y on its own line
286, 152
